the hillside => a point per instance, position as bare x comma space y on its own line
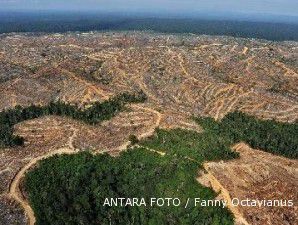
182, 76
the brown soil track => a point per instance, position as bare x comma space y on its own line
14, 189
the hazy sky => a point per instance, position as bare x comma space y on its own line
283, 7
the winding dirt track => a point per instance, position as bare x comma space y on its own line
154, 126
14, 189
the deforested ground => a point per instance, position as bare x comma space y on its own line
183, 77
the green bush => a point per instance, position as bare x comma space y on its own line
133, 139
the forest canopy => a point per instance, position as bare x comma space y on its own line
268, 135
72, 189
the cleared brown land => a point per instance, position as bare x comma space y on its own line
256, 175
181, 75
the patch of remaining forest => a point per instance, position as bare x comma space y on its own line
268, 135
73, 188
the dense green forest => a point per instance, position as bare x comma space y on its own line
92, 115
218, 136
206, 146
71, 189
268, 135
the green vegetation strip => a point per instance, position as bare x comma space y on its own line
218, 136
72, 189
268, 135
92, 115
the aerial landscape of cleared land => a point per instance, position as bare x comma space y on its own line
85, 116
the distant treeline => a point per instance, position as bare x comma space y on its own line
72, 22
92, 115
268, 135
